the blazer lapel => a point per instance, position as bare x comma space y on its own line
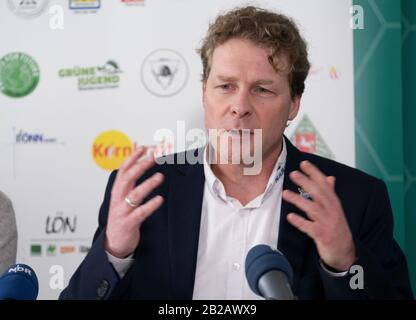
292, 242
184, 215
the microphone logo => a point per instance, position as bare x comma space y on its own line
19, 268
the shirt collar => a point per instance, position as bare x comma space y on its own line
217, 188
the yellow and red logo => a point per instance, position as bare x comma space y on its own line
111, 148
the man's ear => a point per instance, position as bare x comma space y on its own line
203, 87
294, 107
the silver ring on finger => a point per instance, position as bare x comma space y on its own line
131, 203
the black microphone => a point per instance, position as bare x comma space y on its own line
269, 274
19, 282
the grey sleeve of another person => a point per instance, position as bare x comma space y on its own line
8, 233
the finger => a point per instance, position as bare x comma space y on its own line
309, 186
301, 224
323, 194
313, 172
331, 180
141, 213
311, 208
149, 153
125, 180
316, 175
140, 166
144, 189
118, 183
132, 159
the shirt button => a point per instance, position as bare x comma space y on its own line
236, 266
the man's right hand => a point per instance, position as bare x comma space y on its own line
122, 234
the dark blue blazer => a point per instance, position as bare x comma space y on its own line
165, 259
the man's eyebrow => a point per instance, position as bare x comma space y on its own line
264, 81
233, 79
226, 78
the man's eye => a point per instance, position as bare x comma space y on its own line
262, 90
225, 86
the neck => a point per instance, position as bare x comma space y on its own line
247, 187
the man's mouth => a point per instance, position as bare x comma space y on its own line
239, 132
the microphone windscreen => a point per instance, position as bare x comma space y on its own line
261, 259
19, 282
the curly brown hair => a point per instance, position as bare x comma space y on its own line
266, 29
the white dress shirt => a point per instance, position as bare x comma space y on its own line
229, 230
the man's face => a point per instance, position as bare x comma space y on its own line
243, 91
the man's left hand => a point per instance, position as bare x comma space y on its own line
327, 224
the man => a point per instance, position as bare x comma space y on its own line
182, 231
8, 233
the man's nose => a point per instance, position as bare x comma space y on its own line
241, 106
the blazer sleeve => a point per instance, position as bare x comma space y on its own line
8, 233
385, 272
95, 278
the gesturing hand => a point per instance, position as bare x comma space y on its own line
127, 210
327, 224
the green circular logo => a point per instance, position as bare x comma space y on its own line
19, 74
